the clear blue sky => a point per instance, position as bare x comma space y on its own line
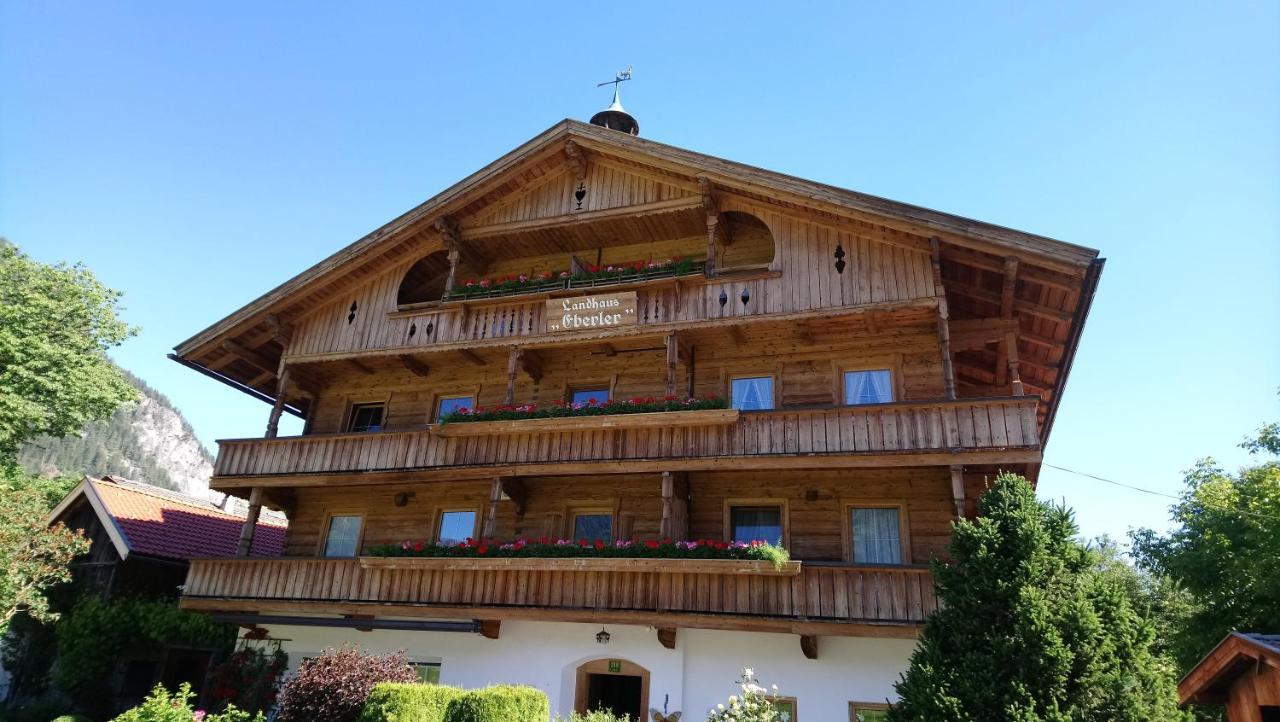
195, 155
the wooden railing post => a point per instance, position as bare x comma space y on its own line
491, 518
250, 523
944, 330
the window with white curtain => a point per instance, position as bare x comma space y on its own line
343, 538
751, 393
877, 538
874, 386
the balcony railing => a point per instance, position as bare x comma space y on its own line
935, 426
815, 593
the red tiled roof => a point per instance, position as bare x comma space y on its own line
162, 523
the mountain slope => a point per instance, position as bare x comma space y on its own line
149, 441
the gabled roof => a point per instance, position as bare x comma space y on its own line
154, 522
1056, 280
1236, 654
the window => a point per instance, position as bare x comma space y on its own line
751, 393
594, 396
877, 535
366, 417
343, 539
593, 526
428, 672
785, 707
874, 386
456, 527
755, 523
867, 712
450, 404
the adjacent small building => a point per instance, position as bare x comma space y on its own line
1242, 673
142, 538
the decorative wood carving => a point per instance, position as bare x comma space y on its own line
576, 159
489, 628
517, 491
944, 331
809, 645
451, 237
1008, 285
712, 209
417, 367
667, 637
472, 356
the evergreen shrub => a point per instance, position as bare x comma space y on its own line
500, 703
405, 702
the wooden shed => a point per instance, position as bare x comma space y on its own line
1243, 673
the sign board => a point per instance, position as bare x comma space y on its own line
590, 313
615, 665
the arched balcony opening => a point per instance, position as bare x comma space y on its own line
750, 243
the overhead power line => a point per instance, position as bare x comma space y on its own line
1113, 482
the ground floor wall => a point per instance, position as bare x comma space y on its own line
701, 671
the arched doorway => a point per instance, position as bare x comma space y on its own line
613, 684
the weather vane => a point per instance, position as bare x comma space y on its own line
622, 76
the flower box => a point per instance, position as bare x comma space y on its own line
587, 564
594, 422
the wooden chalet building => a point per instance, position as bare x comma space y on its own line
882, 362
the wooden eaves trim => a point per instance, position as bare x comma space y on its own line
1236, 648
87, 490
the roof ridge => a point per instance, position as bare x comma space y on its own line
176, 497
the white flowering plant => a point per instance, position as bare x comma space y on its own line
753, 704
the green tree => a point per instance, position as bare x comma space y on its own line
1031, 628
57, 323
1224, 548
33, 556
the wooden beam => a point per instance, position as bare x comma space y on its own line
809, 645
415, 366
581, 218
360, 366
667, 637
957, 490
1019, 305
576, 159
472, 356
252, 357
1015, 378
490, 628
451, 237
281, 332
250, 523
944, 331
517, 491
608, 350
1041, 276
977, 333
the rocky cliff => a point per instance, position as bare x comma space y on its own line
148, 441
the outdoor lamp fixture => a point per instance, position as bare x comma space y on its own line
602, 637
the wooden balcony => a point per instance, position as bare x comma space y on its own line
807, 598
993, 430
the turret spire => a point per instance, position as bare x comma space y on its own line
615, 117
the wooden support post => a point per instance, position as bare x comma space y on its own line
489, 628
692, 372
517, 491
452, 279
277, 408
673, 354
491, 519
957, 490
809, 645
1015, 378
250, 523
513, 367
667, 637
1006, 311
675, 505
712, 210
944, 331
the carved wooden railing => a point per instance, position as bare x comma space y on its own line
811, 592
968, 424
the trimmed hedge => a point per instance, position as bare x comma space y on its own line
408, 702
500, 703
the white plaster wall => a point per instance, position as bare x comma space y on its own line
701, 671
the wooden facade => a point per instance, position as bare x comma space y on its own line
1242, 674
798, 283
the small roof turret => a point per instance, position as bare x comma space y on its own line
615, 117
